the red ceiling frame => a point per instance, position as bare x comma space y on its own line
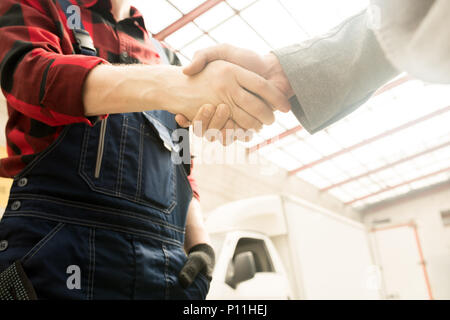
390, 165
428, 190
392, 85
274, 139
371, 140
398, 185
387, 87
187, 18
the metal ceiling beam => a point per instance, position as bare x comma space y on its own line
371, 140
389, 165
398, 185
187, 18
387, 87
275, 139
392, 85
403, 198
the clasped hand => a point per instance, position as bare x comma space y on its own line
241, 91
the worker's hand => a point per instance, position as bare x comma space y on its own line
266, 66
210, 117
248, 96
201, 259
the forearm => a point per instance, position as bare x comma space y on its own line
195, 228
122, 89
333, 75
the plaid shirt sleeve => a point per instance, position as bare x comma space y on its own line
40, 76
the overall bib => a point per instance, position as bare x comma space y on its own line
100, 214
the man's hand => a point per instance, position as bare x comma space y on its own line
201, 259
248, 96
267, 66
212, 117
120, 89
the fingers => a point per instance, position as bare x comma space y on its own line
228, 136
182, 121
189, 273
222, 115
255, 107
219, 118
219, 121
261, 87
194, 265
245, 120
202, 119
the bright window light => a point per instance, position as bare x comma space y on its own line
262, 25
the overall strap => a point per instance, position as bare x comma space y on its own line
84, 44
164, 116
162, 53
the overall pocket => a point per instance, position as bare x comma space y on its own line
124, 157
21, 237
15, 285
57, 258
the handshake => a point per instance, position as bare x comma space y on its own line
231, 90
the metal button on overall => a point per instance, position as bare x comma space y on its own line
15, 205
22, 182
3, 245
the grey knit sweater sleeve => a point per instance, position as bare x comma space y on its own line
334, 74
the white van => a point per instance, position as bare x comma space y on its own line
281, 247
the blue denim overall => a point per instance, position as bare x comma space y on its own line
100, 214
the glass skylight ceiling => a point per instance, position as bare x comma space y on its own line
409, 158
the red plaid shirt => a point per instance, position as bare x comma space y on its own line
41, 77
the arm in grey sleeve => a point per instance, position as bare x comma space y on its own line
334, 74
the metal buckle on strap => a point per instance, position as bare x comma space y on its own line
85, 45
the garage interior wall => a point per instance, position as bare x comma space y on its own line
424, 210
219, 184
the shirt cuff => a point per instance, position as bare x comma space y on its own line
64, 83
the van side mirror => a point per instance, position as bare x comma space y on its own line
243, 268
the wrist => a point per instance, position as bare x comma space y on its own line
195, 235
178, 93
204, 247
134, 88
276, 73
163, 87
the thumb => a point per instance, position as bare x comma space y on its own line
203, 57
198, 63
182, 121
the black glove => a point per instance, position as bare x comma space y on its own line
201, 258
